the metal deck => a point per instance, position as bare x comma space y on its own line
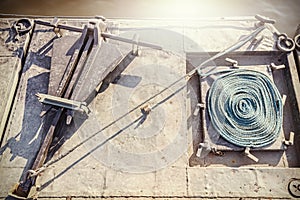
115, 152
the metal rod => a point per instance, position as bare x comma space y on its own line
60, 26
118, 38
232, 48
104, 35
62, 102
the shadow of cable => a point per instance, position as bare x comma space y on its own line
137, 120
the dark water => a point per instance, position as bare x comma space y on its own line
286, 12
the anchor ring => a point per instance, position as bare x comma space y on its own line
294, 187
23, 26
284, 43
297, 41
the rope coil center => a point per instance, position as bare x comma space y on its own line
245, 108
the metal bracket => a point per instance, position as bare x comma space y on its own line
100, 17
276, 67
289, 142
255, 42
249, 155
56, 30
63, 103
146, 109
55, 21
205, 148
234, 63
284, 97
197, 109
263, 20
135, 46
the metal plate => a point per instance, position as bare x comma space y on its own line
270, 155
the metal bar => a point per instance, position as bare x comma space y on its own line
62, 102
22, 190
60, 26
71, 67
41, 157
126, 40
80, 65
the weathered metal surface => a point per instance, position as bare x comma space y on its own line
102, 60
65, 50
118, 151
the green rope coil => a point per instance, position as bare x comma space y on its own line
245, 107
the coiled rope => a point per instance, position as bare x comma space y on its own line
245, 107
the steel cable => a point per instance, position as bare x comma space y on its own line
245, 108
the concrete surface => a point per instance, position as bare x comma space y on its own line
122, 154
11, 54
